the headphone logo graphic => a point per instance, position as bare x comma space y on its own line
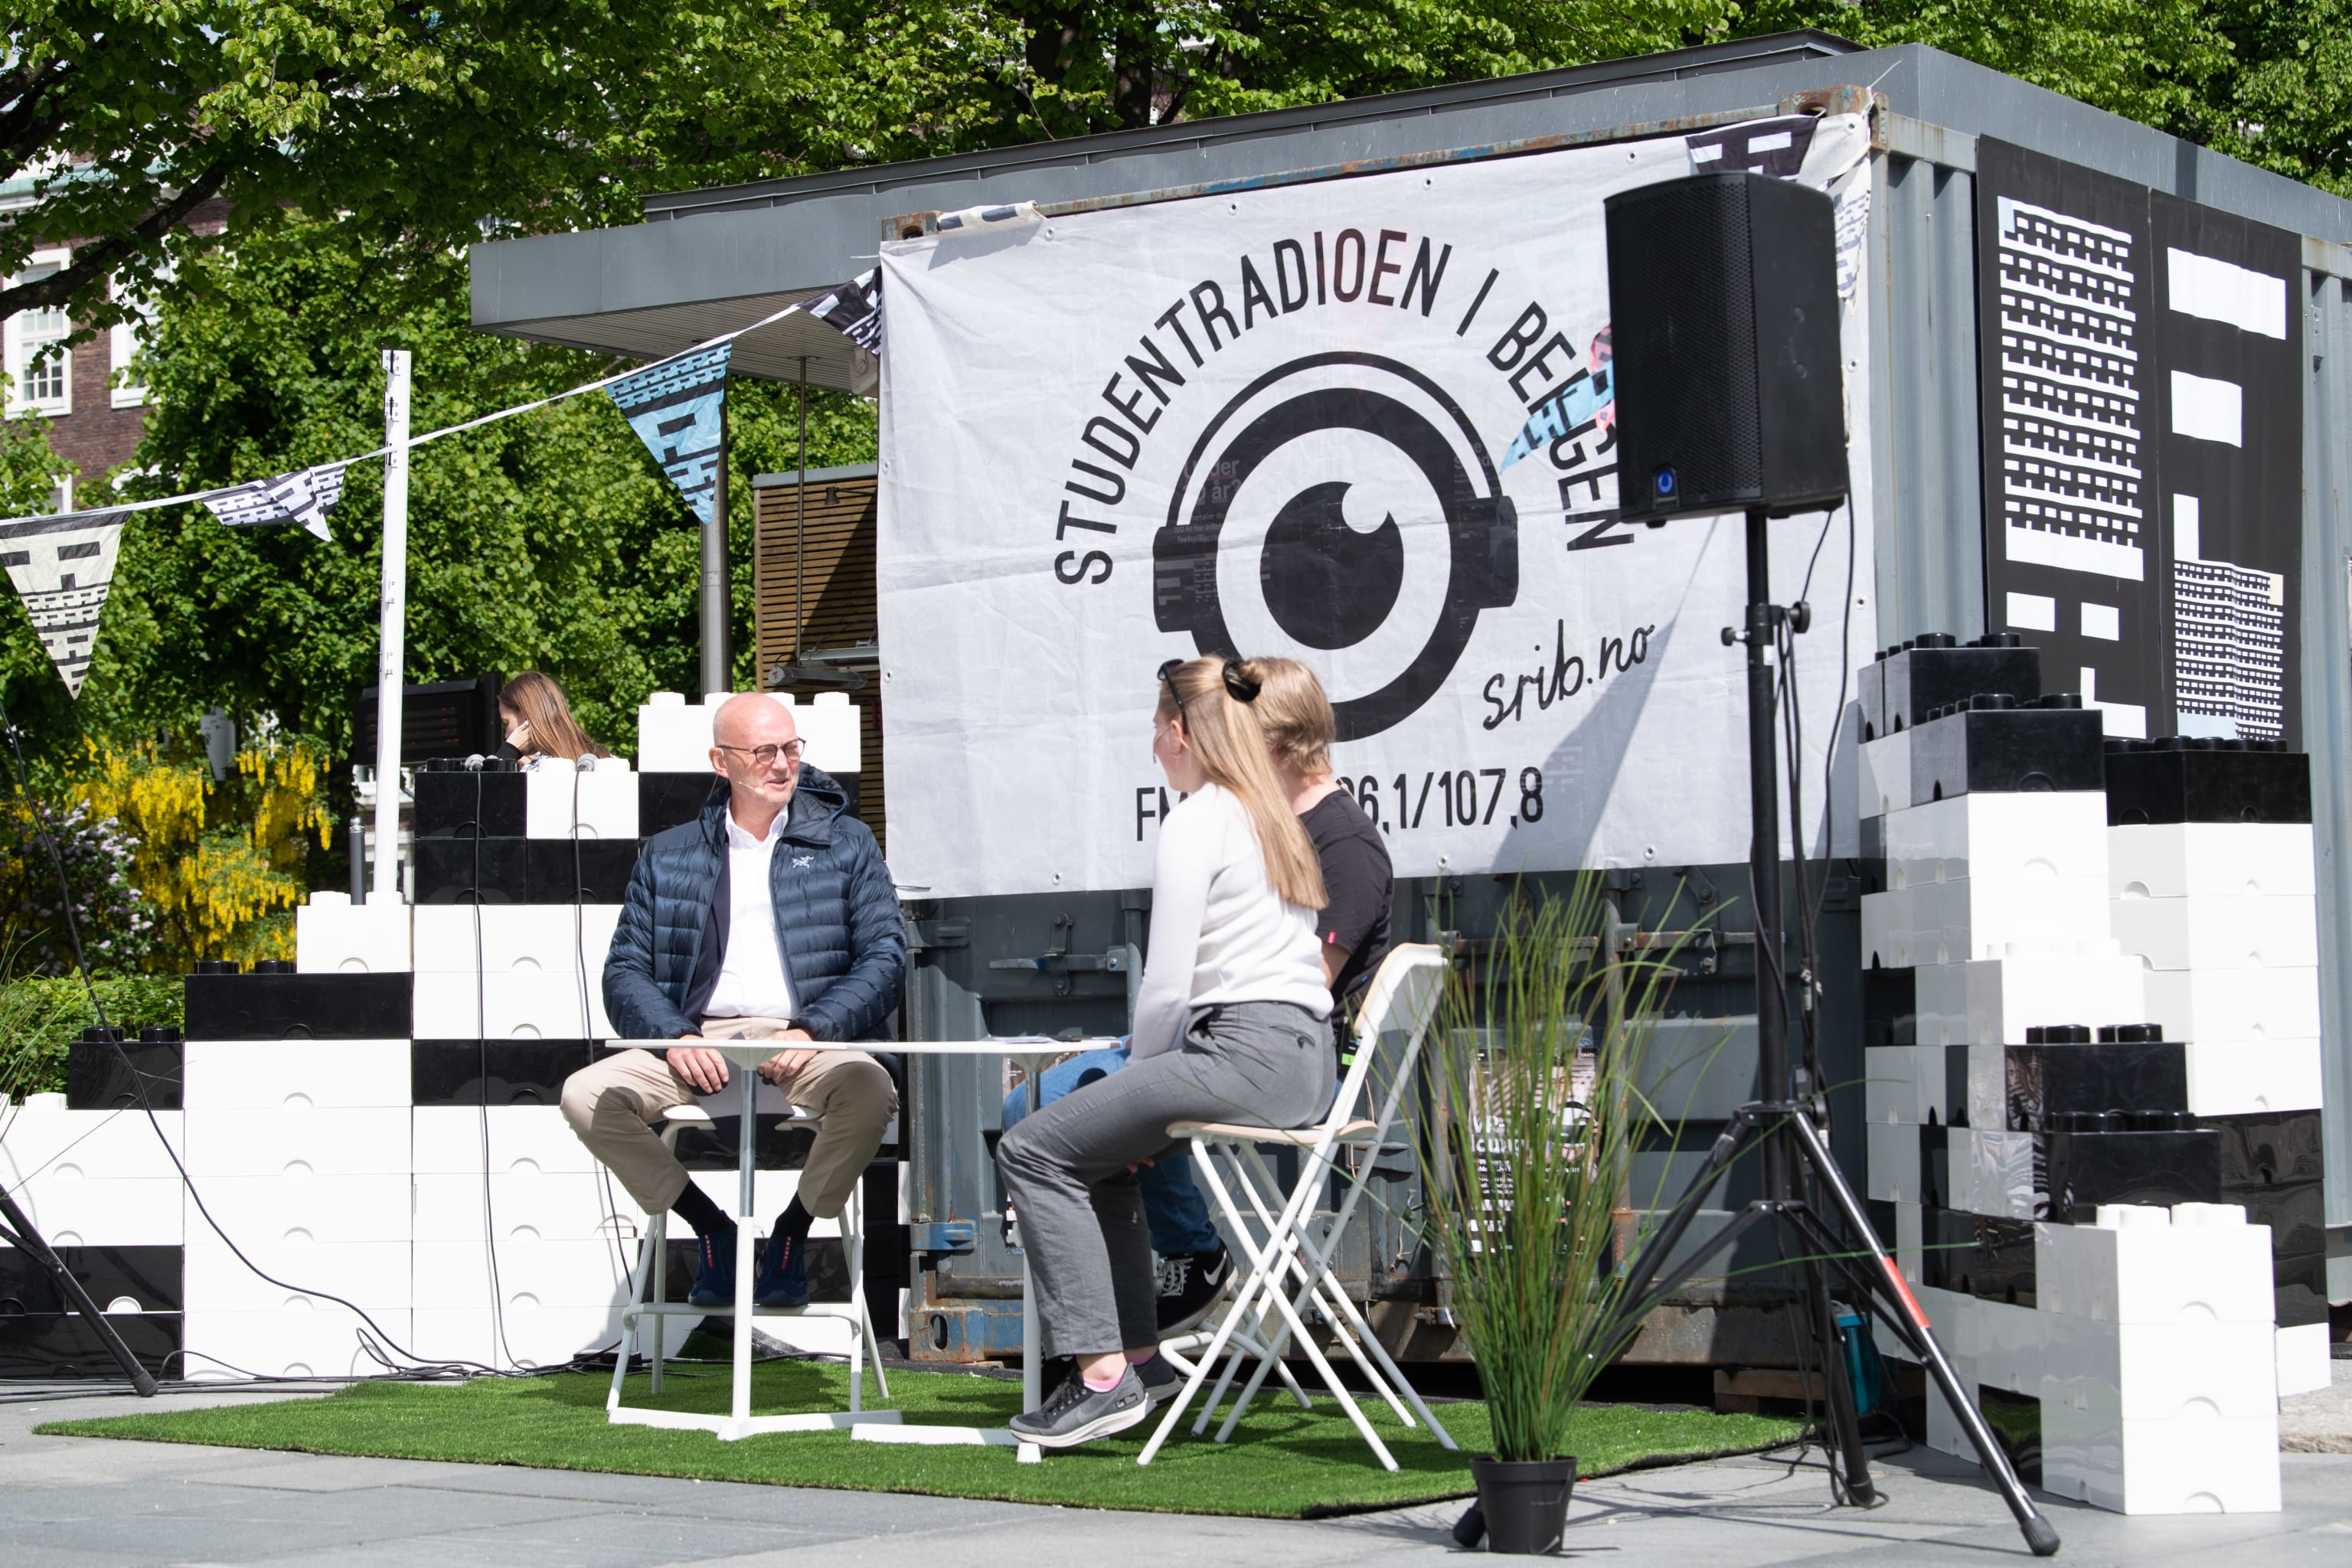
1341, 508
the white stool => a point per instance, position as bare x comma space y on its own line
647, 1309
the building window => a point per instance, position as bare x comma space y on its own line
61, 495
40, 376
125, 340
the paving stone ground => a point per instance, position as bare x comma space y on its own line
86, 1503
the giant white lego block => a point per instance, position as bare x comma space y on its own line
2014, 1347
1893, 1152
1945, 1434
367, 1274
2136, 1372
530, 1273
524, 1140
2253, 1077
568, 1205
1970, 918
1896, 1083
2303, 1359
2211, 1465
519, 1005
334, 936
2004, 841
296, 1211
562, 800
2234, 1003
294, 1076
2155, 1272
1885, 775
1993, 1002
1906, 1240
313, 1340
674, 735
564, 940
71, 1208
49, 1141
299, 1142
2219, 932
1951, 1315
2237, 859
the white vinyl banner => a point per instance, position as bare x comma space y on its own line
1363, 423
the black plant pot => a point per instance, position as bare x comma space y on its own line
1524, 1502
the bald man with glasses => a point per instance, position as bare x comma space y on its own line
770, 916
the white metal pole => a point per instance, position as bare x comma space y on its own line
391, 646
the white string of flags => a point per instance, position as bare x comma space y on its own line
62, 564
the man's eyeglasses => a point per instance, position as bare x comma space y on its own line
765, 756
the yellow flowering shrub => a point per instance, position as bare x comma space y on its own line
219, 864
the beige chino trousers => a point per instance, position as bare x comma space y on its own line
616, 1105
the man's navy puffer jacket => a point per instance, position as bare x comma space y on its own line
837, 920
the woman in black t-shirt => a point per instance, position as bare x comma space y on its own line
1354, 926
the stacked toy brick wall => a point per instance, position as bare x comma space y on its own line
102, 1189
2013, 1079
295, 1096
2210, 862
2158, 1393
361, 1121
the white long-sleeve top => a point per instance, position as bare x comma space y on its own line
1220, 933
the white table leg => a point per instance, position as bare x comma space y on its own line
1032, 1367
746, 1246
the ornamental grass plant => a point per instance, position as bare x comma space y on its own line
1527, 1165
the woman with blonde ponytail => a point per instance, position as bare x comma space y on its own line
1230, 1025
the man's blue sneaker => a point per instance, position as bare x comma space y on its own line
783, 1272
714, 1274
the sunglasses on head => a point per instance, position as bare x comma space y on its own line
1238, 686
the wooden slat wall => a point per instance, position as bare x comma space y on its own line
834, 605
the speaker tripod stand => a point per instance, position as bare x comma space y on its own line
1783, 1124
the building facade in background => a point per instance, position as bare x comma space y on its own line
90, 393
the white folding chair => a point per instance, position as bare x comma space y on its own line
1288, 1244
650, 1312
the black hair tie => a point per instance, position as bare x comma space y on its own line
1240, 687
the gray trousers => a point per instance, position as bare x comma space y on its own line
1264, 1064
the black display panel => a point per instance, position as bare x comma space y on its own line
2142, 420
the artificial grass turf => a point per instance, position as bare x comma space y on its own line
1283, 1463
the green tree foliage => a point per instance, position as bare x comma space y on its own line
2269, 81
549, 540
1103, 67
414, 124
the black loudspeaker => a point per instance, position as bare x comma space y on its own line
1724, 319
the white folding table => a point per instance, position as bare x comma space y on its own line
871, 1425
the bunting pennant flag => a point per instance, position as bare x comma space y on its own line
304, 495
62, 567
854, 310
674, 408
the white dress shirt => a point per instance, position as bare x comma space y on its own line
752, 982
